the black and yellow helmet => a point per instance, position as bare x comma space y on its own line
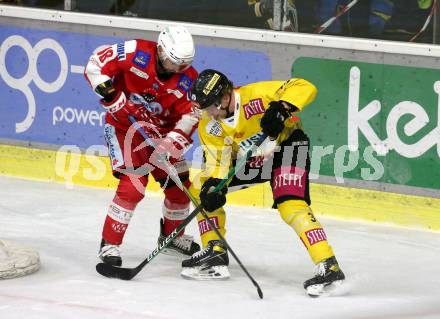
209, 88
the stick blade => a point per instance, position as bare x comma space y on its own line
115, 272
260, 293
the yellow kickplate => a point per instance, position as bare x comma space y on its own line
73, 168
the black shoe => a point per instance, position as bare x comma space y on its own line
181, 246
110, 254
209, 263
328, 277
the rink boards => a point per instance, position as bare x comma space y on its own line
374, 127
349, 203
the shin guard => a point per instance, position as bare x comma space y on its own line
298, 215
116, 222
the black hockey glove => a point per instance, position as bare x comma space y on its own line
212, 200
272, 122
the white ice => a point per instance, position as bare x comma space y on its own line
392, 272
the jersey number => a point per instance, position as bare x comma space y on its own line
105, 54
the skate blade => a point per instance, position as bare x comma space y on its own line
213, 273
322, 290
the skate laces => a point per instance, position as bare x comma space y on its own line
202, 252
326, 266
110, 250
184, 242
320, 269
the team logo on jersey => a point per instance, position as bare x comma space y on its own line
141, 59
152, 107
155, 108
185, 83
254, 107
214, 128
120, 50
315, 236
156, 86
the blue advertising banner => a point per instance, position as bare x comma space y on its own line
44, 97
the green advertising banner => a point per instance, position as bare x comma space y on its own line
373, 122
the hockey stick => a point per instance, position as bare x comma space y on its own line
175, 177
212, 226
330, 21
427, 21
128, 273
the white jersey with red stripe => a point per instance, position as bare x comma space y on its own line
131, 66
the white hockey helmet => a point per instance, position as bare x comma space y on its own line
176, 44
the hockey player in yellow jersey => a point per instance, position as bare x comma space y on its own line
232, 120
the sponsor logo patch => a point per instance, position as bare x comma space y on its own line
176, 93
315, 236
204, 226
119, 215
119, 228
254, 107
185, 83
120, 50
214, 128
289, 181
211, 84
139, 73
114, 150
141, 59
245, 144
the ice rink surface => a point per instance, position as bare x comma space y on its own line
392, 272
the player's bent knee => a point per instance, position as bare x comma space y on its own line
130, 194
298, 215
176, 196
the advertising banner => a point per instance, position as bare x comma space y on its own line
374, 122
44, 97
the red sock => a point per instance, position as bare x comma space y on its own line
117, 220
169, 225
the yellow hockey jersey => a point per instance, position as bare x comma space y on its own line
223, 139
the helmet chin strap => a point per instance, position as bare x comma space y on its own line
226, 109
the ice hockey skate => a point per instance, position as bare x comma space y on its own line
208, 264
182, 246
328, 278
110, 254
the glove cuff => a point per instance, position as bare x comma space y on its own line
118, 103
292, 108
179, 144
180, 139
